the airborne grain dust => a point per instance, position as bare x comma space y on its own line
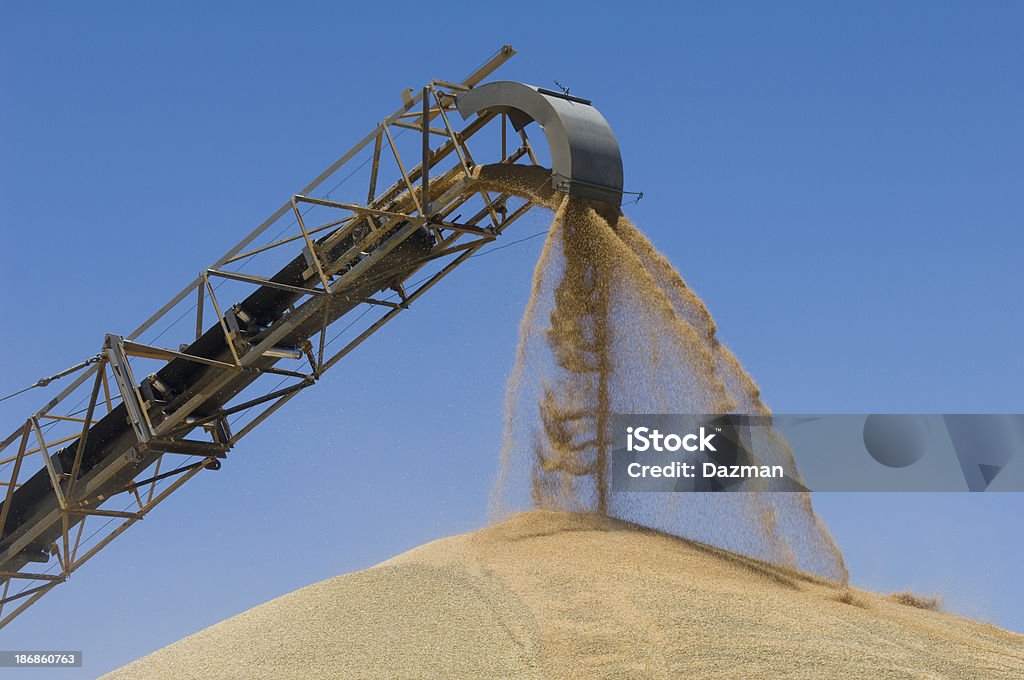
611, 327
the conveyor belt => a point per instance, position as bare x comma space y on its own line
415, 224
112, 436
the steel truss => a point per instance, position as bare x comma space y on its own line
173, 441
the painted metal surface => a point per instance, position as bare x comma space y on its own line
585, 158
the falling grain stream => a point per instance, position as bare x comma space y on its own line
611, 327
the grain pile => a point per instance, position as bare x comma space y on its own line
556, 595
611, 327
570, 591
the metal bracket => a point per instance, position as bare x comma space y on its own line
113, 348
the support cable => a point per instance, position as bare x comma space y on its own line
43, 382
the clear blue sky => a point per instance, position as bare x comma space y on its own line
843, 184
